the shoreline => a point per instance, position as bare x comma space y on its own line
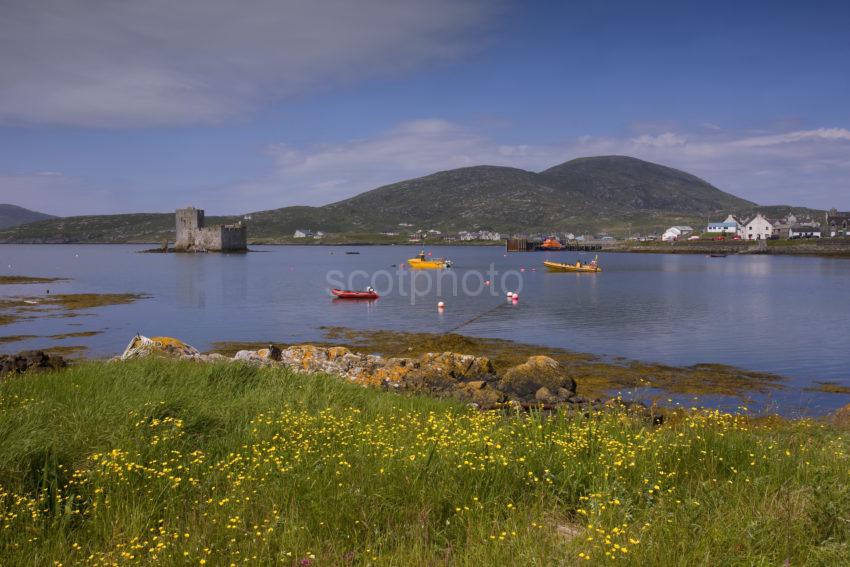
824, 248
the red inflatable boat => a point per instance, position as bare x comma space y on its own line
348, 294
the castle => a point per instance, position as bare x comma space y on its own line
193, 236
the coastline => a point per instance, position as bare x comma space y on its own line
826, 248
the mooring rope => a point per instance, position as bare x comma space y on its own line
477, 317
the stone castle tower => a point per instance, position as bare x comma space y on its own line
193, 236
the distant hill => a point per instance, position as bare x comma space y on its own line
607, 193
13, 215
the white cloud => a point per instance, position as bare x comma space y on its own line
799, 167
160, 62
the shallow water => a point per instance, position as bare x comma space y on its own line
788, 315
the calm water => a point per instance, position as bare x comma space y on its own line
785, 315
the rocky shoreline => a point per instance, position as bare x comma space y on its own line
540, 380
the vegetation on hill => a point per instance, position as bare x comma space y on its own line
12, 215
158, 462
613, 194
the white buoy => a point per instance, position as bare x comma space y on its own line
510, 294
441, 305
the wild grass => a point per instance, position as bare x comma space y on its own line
157, 462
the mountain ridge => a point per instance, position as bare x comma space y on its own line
581, 195
13, 215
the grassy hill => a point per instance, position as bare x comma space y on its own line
608, 193
180, 463
12, 215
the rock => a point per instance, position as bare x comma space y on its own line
141, 347
841, 417
526, 379
543, 394
29, 360
469, 378
478, 392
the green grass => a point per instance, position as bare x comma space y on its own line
186, 464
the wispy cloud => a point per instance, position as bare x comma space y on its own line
159, 62
804, 167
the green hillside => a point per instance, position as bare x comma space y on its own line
608, 193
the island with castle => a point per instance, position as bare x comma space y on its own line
194, 236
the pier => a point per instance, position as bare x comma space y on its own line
526, 245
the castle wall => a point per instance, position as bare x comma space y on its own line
191, 234
234, 237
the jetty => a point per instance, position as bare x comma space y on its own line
526, 245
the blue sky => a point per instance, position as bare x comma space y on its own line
236, 107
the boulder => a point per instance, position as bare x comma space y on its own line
29, 360
439, 372
169, 347
480, 393
525, 380
841, 417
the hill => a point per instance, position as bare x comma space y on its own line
607, 193
13, 215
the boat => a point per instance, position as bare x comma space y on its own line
592, 267
351, 294
717, 255
551, 243
352, 252
421, 262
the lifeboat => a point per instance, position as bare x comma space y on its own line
421, 262
350, 294
551, 243
592, 267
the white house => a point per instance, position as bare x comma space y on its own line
676, 232
729, 226
302, 233
759, 228
804, 232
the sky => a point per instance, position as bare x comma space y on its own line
234, 107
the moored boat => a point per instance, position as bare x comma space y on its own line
352, 294
551, 244
592, 267
421, 262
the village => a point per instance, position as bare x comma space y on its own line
760, 227
757, 227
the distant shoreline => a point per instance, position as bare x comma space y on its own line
827, 248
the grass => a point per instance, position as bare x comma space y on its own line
158, 462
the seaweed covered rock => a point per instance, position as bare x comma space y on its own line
29, 360
539, 376
168, 347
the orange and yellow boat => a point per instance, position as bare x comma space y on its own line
592, 267
422, 262
551, 243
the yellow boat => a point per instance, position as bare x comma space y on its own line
421, 262
592, 267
